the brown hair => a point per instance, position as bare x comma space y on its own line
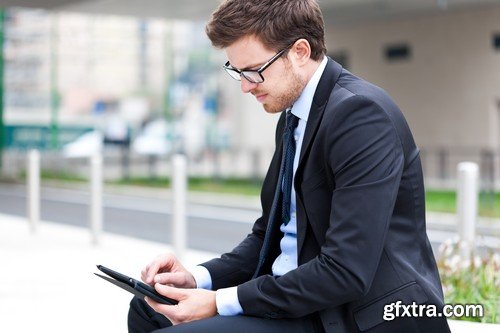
277, 23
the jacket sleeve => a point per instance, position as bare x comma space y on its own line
366, 159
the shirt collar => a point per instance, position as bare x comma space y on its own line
302, 105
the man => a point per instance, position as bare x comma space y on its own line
342, 232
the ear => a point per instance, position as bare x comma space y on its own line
301, 52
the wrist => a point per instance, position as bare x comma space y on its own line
227, 303
201, 277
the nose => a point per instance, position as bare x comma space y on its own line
247, 86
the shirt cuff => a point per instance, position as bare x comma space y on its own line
202, 277
227, 302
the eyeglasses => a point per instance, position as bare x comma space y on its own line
253, 75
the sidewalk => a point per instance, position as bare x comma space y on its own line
47, 282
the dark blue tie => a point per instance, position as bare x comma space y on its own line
289, 147
283, 188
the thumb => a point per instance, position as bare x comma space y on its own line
170, 292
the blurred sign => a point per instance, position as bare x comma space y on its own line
39, 136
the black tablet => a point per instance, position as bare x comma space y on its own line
133, 286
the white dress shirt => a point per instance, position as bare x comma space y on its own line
227, 298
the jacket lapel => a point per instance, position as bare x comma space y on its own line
325, 86
323, 91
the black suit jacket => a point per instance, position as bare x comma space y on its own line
361, 232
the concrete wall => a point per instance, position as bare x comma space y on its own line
449, 89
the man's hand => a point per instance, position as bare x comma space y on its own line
194, 304
167, 270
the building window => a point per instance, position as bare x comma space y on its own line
341, 57
496, 41
397, 52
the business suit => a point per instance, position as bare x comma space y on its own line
361, 237
360, 219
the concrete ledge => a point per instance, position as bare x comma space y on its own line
48, 283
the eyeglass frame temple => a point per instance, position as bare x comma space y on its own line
260, 70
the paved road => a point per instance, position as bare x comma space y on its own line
211, 228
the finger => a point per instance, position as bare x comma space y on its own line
172, 313
167, 261
149, 272
144, 273
175, 279
163, 262
154, 305
169, 311
171, 292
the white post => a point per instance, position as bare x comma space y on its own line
467, 201
96, 189
33, 178
179, 189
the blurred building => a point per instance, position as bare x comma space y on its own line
68, 73
437, 58
440, 65
442, 70
83, 60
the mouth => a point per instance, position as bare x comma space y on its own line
261, 97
